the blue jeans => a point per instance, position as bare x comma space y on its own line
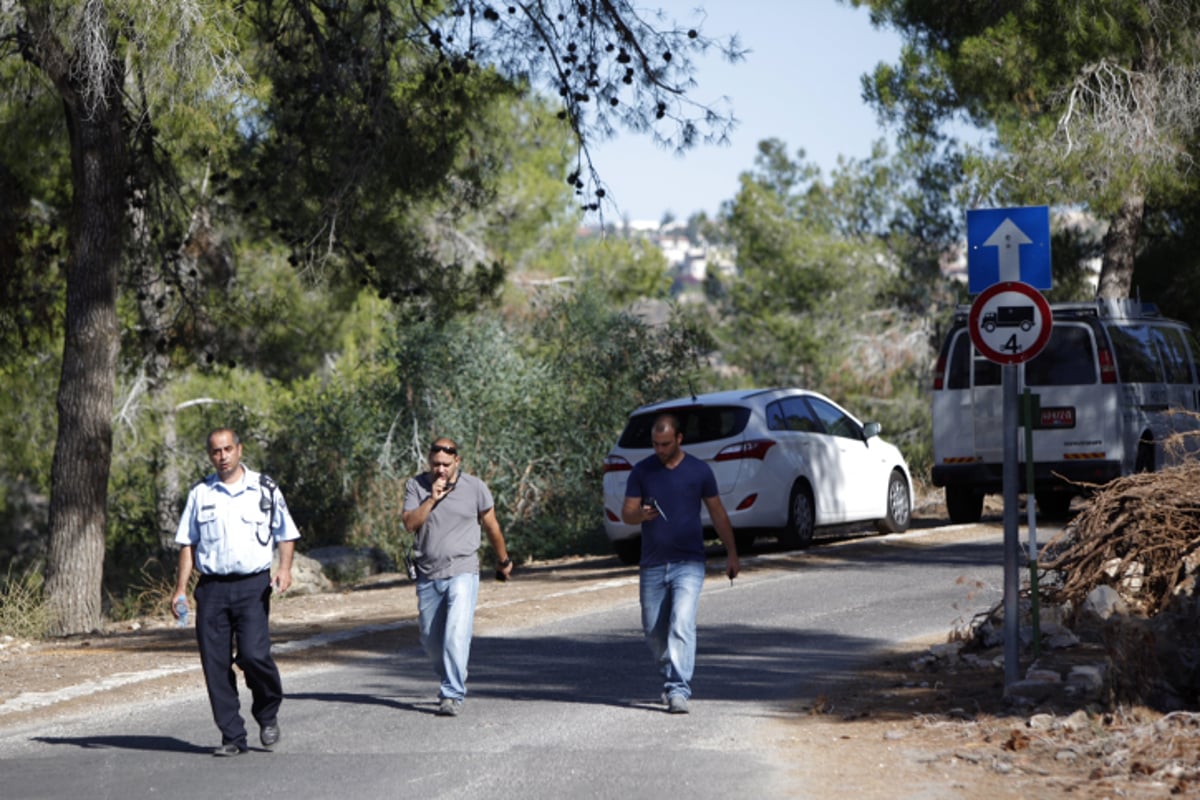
446, 613
670, 595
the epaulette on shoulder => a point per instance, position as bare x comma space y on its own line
266, 481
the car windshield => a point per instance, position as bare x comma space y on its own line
698, 424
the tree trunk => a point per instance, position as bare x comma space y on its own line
1120, 248
83, 451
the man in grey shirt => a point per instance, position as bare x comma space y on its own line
447, 510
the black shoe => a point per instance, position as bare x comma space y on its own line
269, 735
227, 750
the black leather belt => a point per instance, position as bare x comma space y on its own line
236, 576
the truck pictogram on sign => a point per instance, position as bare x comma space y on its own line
1008, 317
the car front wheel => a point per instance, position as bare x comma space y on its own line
899, 505
801, 519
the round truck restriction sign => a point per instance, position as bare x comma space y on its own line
1010, 322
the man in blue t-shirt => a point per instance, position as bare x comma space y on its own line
663, 495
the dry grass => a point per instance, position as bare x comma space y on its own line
23, 610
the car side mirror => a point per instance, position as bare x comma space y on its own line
872, 429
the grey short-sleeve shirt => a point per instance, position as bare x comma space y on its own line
448, 543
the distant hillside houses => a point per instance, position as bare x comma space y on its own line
689, 255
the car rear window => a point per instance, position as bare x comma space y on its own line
698, 424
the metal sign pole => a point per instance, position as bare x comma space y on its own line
1029, 415
1012, 544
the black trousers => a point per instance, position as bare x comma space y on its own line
232, 627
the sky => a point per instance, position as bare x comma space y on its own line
801, 83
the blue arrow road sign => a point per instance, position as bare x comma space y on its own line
1008, 244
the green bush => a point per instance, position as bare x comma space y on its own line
378, 522
534, 403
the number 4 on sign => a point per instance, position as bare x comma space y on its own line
1012, 345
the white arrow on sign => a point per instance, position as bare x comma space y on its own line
1008, 238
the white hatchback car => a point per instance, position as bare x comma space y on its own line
787, 461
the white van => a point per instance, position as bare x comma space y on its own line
1111, 382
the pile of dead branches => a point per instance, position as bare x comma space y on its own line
1139, 534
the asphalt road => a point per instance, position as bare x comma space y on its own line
564, 708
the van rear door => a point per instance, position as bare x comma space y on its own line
988, 402
968, 409
1080, 418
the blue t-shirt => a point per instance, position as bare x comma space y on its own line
679, 492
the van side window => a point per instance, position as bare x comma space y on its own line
1173, 354
1067, 360
1194, 346
1136, 360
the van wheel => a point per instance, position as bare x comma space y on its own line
1145, 461
629, 550
899, 506
965, 505
1055, 506
801, 519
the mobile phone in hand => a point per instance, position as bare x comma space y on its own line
653, 503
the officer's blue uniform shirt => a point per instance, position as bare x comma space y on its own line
229, 526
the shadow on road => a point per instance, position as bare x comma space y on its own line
736, 663
159, 744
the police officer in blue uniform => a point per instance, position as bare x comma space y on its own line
232, 521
